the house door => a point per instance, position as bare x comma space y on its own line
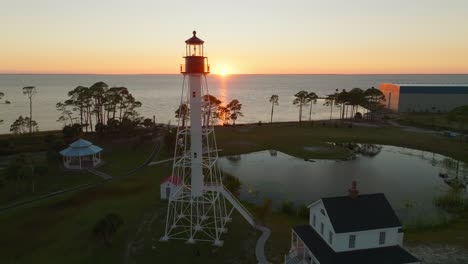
168, 192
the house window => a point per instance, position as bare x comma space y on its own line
400, 230
352, 241
321, 228
194, 94
194, 155
330, 237
382, 238
322, 211
314, 220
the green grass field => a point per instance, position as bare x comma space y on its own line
436, 121
59, 230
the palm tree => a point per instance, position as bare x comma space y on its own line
273, 101
330, 100
374, 98
30, 91
234, 108
356, 98
301, 100
312, 98
1, 96
342, 99
210, 105
182, 112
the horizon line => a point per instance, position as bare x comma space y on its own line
416, 73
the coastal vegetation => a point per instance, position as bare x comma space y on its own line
1, 96
107, 108
30, 91
274, 101
301, 100
24, 125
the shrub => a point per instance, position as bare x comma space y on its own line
107, 226
303, 211
287, 208
452, 201
232, 183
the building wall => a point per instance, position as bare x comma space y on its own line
173, 188
422, 98
368, 239
423, 102
316, 209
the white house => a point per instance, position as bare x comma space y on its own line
354, 229
169, 186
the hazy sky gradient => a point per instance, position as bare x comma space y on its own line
296, 36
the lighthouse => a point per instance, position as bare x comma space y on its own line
200, 206
196, 69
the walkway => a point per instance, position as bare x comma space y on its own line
260, 246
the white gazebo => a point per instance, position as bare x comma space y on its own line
81, 154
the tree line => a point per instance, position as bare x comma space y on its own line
100, 108
22, 124
212, 110
370, 99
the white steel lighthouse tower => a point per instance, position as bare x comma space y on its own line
197, 210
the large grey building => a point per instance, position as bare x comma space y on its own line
424, 97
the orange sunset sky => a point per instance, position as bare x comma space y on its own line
298, 36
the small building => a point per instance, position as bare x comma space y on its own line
81, 154
169, 186
361, 229
424, 97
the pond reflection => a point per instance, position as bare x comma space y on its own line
409, 178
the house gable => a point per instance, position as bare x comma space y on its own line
318, 212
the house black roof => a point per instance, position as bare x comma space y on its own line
326, 255
365, 212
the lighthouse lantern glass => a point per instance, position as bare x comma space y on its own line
194, 50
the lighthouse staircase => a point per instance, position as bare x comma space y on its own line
236, 204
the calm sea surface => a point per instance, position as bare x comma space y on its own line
160, 94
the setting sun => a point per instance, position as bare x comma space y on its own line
223, 71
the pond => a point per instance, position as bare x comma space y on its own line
409, 178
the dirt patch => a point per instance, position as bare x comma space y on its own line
435, 254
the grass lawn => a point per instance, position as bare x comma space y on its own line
59, 230
55, 179
436, 121
292, 138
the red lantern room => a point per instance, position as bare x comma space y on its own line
195, 61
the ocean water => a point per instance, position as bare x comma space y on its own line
160, 94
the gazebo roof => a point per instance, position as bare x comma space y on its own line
80, 148
81, 143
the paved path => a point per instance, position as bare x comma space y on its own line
260, 246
